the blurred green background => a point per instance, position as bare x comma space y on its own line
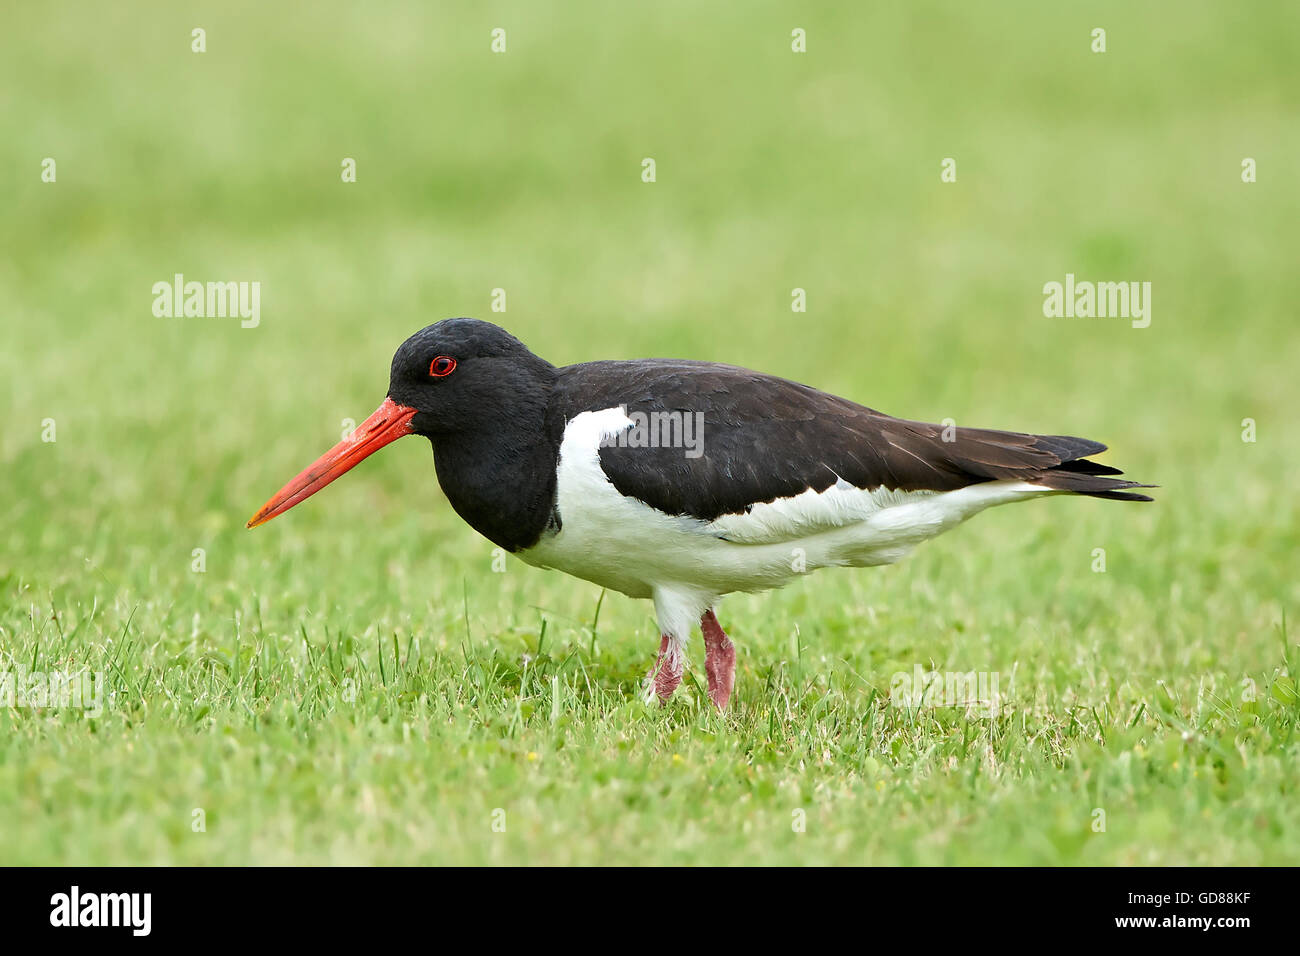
522, 171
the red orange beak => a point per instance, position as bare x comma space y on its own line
389, 423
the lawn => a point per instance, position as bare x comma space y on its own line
364, 681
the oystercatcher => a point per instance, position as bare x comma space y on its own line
681, 481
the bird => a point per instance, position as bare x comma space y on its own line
681, 481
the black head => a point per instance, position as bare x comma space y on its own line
458, 377
463, 375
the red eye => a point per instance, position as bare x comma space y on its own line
442, 366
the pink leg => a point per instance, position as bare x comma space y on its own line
719, 660
665, 676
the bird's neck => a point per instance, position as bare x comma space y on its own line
501, 479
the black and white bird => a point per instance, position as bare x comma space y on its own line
681, 481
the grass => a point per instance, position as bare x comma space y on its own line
356, 683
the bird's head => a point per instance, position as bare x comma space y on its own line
457, 376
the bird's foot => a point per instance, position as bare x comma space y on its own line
666, 674
719, 660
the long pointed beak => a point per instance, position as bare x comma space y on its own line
389, 423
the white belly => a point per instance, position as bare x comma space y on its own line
624, 544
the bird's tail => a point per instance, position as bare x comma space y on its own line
1077, 474
1055, 462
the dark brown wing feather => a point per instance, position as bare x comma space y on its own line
766, 438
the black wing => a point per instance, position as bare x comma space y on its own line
765, 438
